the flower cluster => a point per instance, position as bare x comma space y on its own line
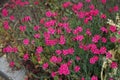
60, 40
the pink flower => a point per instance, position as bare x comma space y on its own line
58, 52
77, 30
94, 12
53, 74
65, 18
103, 39
12, 18
46, 35
36, 2
45, 66
82, 78
119, 32
54, 14
51, 30
68, 30
50, 23
88, 32
7, 49
68, 51
59, 59
69, 62
53, 59
6, 25
58, 31
95, 51
39, 49
94, 77
94, 59
26, 18
103, 50
63, 69
76, 68
81, 14
86, 20
113, 39
113, 28
15, 49
36, 28
4, 12
26, 41
96, 38
62, 40
103, 29
79, 37
65, 25
37, 35
26, 56
103, 1
103, 16
114, 65
66, 4
77, 58
26, 2
60, 24
92, 7
116, 8
88, 1
38, 56
22, 28
93, 46
42, 20
108, 55
48, 14
77, 7
52, 42
12, 64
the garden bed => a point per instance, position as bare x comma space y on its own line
62, 40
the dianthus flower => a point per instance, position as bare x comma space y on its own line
26, 41
76, 68
63, 69
94, 77
26, 56
113, 65
39, 49
94, 59
62, 40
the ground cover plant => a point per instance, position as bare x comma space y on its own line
62, 39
